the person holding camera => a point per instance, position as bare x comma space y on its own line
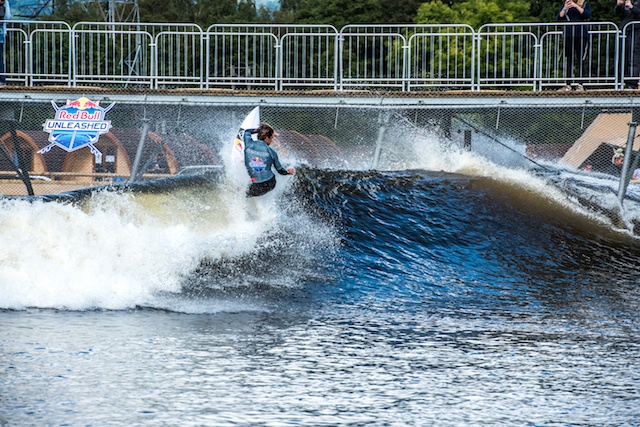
576, 39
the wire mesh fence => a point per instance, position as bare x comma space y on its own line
70, 144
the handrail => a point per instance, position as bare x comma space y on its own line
55, 176
416, 57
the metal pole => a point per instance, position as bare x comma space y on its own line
625, 176
23, 169
383, 120
467, 139
136, 162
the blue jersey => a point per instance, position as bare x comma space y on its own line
259, 158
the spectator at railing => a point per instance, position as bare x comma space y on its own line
617, 161
576, 40
629, 10
5, 13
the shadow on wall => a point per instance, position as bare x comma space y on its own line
162, 154
594, 149
316, 150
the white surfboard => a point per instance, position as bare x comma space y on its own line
252, 121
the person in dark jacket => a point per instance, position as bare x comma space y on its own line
259, 158
629, 11
576, 39
617, 161
5, 14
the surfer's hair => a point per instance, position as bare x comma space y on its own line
265, 131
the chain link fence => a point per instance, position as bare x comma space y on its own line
583, 140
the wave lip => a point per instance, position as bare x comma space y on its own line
135, 247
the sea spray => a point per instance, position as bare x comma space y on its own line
120, 249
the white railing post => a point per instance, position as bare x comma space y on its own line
278, 57
278, 74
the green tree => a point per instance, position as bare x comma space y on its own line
335, 12
474, 13
399, 12
168, 11
72, 11
545, 10
436, 12
202, 12
343, 12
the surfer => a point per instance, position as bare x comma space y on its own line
259, 158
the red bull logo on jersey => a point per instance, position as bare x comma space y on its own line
257, 164
78, 124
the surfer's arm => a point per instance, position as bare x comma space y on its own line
288, 171
276, 163
283, 171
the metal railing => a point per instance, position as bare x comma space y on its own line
306, 57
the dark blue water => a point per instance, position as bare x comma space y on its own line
350, 298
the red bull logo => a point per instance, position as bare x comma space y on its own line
82, 103
79, 123
79, 115
74, 104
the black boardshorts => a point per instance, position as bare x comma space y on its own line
259, 188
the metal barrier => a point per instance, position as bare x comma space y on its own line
179, 59
372, 56
406, 57
105, 58
507, 56
242, 57
441, 56
308, 58
629, 56
532, 55
38, 52
135, 54
272, 56
279, 57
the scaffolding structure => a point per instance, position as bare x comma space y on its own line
115, 11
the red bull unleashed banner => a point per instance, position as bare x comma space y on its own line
78, 124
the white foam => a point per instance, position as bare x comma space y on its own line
415, 148
116, 252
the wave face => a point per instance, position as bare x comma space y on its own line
417, 237
474, 295
452, 241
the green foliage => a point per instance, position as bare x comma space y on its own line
72, 11
335, 12
602, 11
343, 12
203, 12
436, 12
474, 12
168, 11
399, 12
544, 10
